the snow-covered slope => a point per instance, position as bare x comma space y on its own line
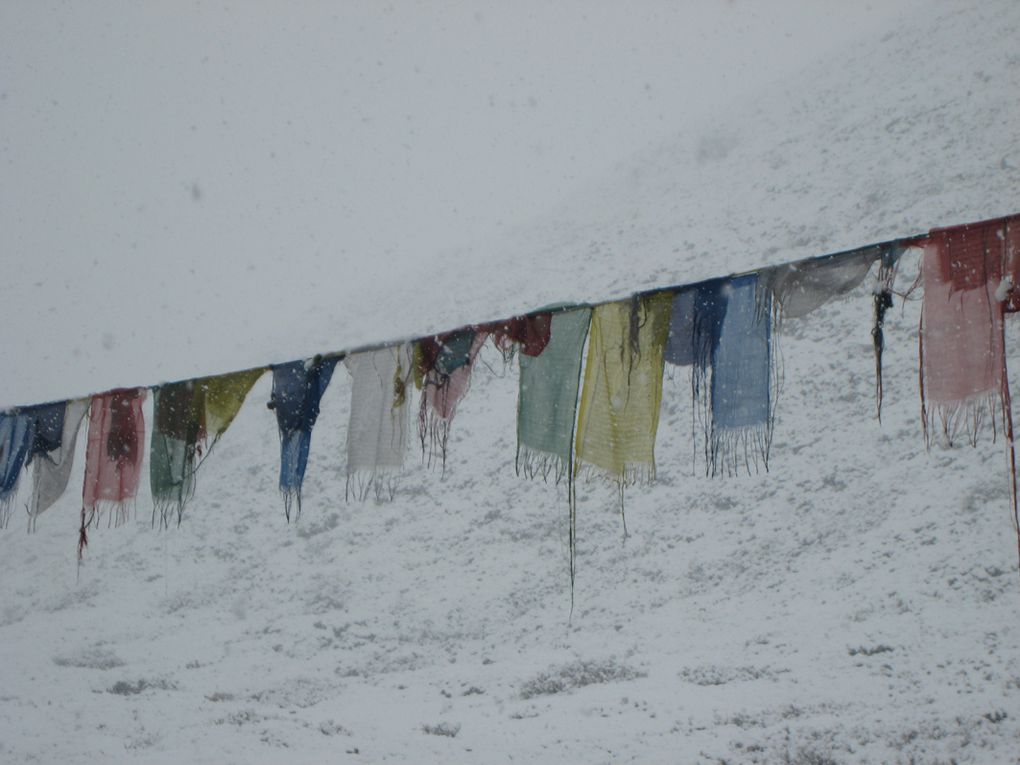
179, 187
859, 603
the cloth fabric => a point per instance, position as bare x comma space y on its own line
962, 344
1009, 294
113, 456
695, 327
445, 353
969, 281
799, 288
547, 407
619, 411
444, 364
297, 391
16, 439
224, 396
379, 421
883, 301
680, 340
547, 396
178, 436
722, 329
53, 457
186, 414
48, 427
695, 323
741, 388
1008, 233
528, 333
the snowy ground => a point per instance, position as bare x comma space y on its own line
859, 603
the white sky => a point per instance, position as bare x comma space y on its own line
179, 181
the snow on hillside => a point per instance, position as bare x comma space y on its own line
231, 185
859, 603
910, 129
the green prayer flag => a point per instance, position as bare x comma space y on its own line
547, 398
171, 474
178, 429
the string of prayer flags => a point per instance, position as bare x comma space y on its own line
178, 434
723, 329
53, 455
547, 397
16, 434
113, 456
378, 430
443, 372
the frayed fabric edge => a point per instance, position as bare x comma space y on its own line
6, 508
945, 421
633, 474
733, 450
291, 499
164, 510
535, 463
117, 513
434, 432
381, 482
